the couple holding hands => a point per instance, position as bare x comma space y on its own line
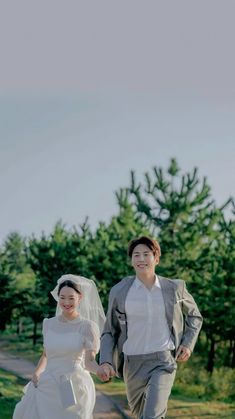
151, 324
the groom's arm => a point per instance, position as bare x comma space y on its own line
192, 320
110, 332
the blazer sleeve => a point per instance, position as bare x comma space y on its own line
192, 319
110, 332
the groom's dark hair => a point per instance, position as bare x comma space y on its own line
152, 244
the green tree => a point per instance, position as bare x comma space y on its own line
13, 272
108, 248
50, 257
6, 300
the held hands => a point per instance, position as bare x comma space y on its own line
105, 372
183, 353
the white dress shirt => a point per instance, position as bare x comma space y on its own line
147, 327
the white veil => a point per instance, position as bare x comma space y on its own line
90, 306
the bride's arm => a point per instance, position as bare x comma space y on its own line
90, 362
39, 368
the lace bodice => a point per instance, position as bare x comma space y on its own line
68, 340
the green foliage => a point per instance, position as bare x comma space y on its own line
198, 383
15, 278
101, 256
10, 393
108, 249
50, 257
14, 254
7, 298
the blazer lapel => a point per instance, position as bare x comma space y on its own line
121, 297
168, 292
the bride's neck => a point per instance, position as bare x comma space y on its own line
71, 316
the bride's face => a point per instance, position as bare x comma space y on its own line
68, 300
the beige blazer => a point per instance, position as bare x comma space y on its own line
183, 318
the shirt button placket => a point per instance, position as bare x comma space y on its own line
149, 320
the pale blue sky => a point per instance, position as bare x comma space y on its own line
92, 90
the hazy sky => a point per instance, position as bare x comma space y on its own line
91, 90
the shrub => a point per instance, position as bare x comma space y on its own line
198, 383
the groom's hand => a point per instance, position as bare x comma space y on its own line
105, 372
183, 354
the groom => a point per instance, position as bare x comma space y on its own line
152, 322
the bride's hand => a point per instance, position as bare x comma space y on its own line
105, 372
35, 379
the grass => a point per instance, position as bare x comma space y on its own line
10, 393
194, 409
22, 347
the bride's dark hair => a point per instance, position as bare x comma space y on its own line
70, 284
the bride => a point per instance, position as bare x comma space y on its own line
61, 387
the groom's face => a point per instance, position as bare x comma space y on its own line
143, 259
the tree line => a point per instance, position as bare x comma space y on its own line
197, 238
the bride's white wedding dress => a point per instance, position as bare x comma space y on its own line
65, 344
